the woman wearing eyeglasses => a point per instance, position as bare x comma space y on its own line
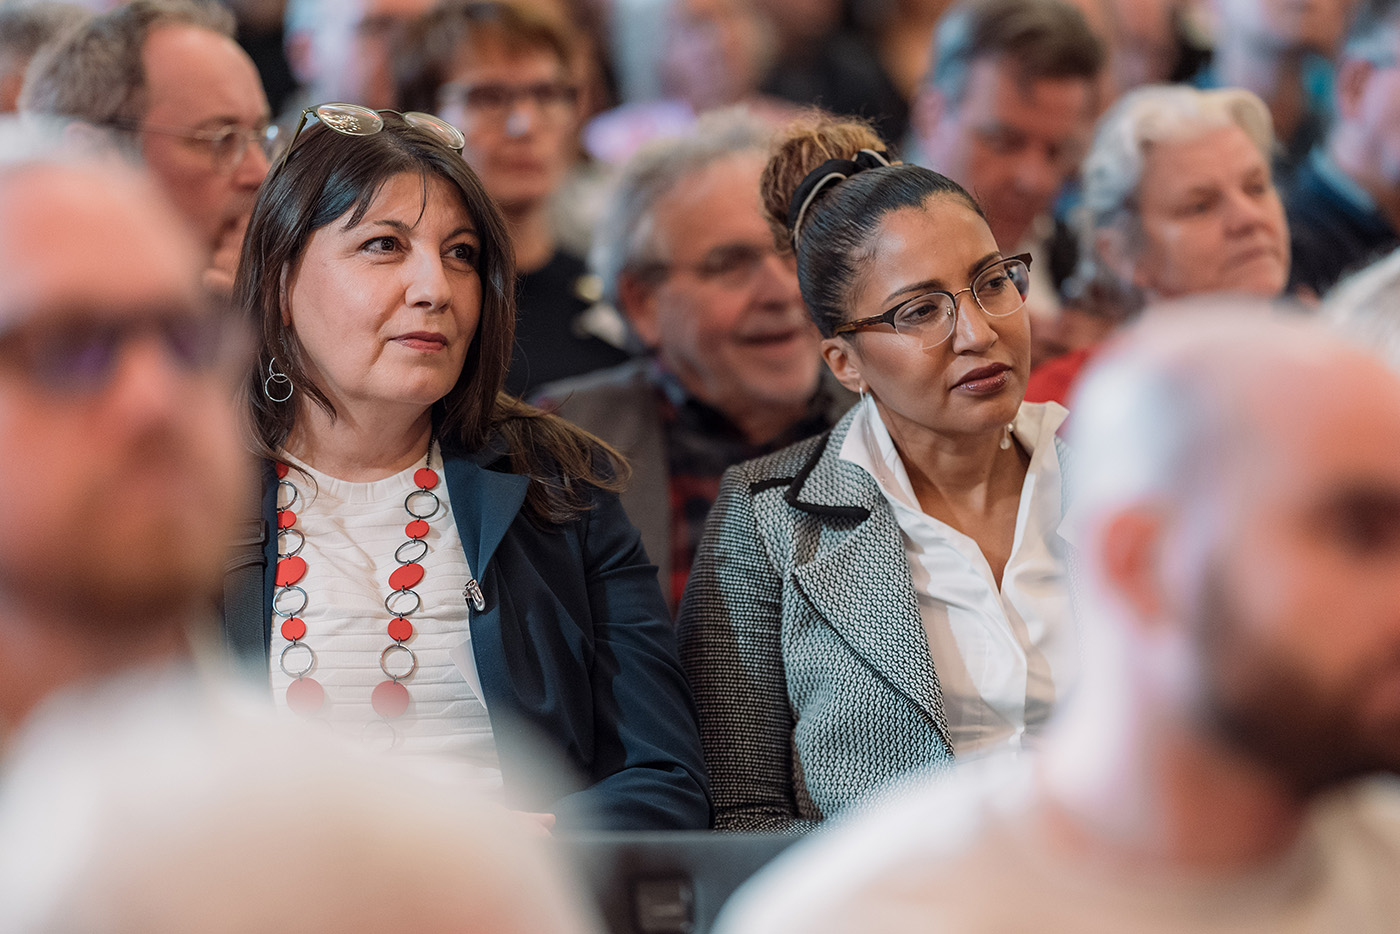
890, 596
448, 571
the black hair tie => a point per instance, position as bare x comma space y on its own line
828, 173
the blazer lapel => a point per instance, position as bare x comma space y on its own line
858, 576
250, 580
485, 503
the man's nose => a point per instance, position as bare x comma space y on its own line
775, 281
1037, 173
253, 167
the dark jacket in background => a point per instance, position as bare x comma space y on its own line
1334, 231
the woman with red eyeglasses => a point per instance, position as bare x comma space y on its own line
440, 569
891, 596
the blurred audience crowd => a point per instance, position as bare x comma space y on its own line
970, 422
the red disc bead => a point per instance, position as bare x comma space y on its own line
305, 696
416, 529
281, 471
389, 699
286, 519
290, 570
405, 576
400, 629
425, 477
293, 629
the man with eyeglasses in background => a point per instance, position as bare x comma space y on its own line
166, 79
734, 369
503, 74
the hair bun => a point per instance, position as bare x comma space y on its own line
801, 149
824, 176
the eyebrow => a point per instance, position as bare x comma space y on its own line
223, 120
732, 246
931, 285
403, 228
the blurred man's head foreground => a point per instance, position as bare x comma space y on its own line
117, 432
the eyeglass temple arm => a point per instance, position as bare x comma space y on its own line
292, 141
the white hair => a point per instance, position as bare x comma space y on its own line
1112, 170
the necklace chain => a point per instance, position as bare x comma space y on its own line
397, 661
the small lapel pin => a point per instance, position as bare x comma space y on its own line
473, 595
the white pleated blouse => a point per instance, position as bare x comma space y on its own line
352, 531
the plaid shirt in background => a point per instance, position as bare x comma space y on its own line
701, 443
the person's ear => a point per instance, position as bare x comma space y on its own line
638, 299
840, 357
1130, 554
284, 295
1349, 88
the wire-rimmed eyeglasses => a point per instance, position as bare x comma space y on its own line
358, 120
228, 144
999, 289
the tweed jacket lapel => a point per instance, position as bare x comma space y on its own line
856, 574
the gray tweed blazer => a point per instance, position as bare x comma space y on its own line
802, 638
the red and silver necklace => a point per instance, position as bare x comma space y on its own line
305, 695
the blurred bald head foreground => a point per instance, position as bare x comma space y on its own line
1235, 510
119, 448
135, 796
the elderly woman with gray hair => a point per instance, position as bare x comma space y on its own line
1178, 199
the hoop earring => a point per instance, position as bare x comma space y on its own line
277, 378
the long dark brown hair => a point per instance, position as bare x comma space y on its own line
329, 175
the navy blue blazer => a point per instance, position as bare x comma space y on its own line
575, 652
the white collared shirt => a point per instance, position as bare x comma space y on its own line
1003, 655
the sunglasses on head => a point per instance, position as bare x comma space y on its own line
358, 120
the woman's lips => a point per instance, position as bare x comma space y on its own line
985, 380
422, 340
771, 337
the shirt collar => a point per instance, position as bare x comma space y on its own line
692, 411
869, 446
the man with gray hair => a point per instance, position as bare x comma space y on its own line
1238, 535
733, 369
167, 81
1344, 200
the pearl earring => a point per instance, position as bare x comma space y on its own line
1006, 438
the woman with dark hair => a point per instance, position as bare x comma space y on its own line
889, 596
448, 571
